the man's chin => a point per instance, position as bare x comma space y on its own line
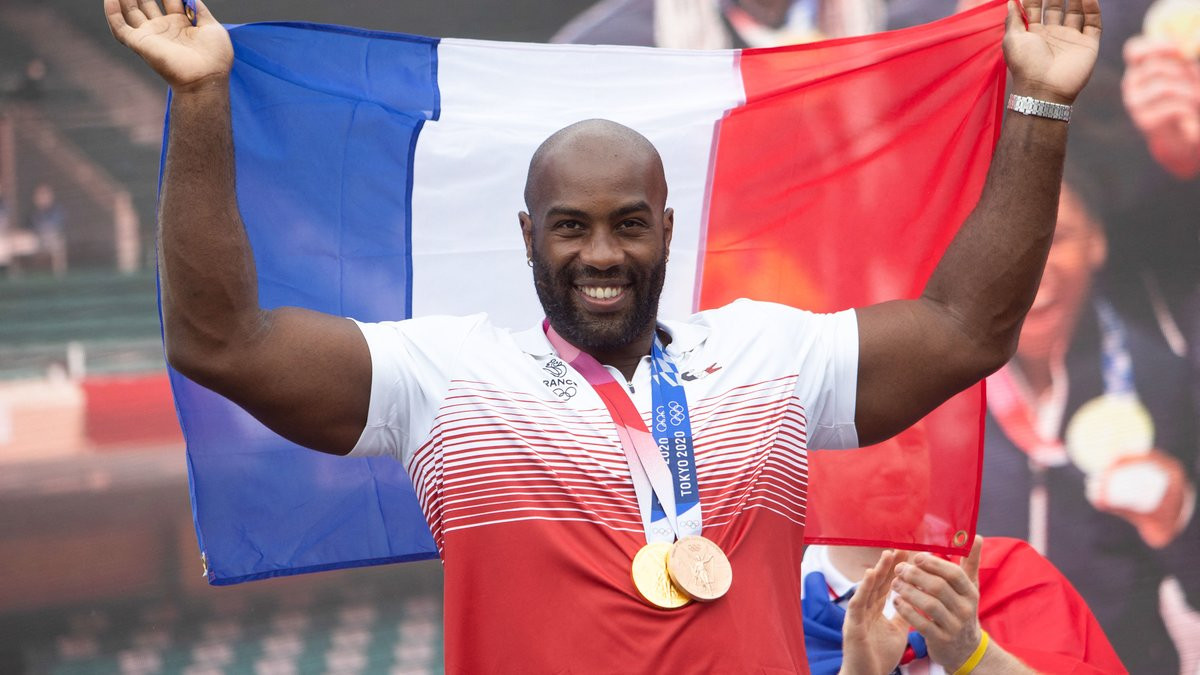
602, 337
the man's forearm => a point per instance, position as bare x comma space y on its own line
209, 287
989, 274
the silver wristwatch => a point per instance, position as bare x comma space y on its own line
1038, 108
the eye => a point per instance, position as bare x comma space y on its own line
568, 226
631, 225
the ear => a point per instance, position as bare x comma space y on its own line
668, 229
526, 232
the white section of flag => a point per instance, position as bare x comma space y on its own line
500, 101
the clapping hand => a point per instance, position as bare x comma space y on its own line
941, 601
872, 644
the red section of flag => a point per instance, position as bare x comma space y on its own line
127, 410
840, 183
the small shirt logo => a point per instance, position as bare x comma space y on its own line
692, 375
558, 383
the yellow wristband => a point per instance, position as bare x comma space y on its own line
976, 656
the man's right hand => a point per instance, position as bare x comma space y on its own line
186, 56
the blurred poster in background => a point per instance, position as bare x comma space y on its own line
1091, 446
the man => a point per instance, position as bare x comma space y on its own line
538, 507
1091, 442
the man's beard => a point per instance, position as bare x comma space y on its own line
599, 332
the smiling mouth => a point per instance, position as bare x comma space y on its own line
601, 292
601, 295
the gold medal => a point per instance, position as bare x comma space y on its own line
1177, 22
699, 568
651, 578
1106, 429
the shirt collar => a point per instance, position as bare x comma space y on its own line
685, 336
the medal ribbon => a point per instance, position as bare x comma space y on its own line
655, 485
1115, 362
673, 433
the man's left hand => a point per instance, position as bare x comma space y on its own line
941, 600
1053, 57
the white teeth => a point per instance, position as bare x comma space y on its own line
600, 292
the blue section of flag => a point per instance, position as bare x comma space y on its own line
325, 121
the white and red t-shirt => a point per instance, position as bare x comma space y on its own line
523, 480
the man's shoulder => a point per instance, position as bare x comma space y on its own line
749, 315
441, 331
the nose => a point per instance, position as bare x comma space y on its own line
602, 250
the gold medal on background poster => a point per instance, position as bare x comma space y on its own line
1176, 22
1107, 428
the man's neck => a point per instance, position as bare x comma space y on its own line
627, 358
853, 561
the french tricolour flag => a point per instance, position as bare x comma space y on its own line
379, 177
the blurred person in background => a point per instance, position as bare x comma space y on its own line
1161, 85
1033, 615
1091, 444
47, 222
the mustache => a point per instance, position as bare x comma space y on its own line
587, 273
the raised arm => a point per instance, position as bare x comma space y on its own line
305, 375
915, 354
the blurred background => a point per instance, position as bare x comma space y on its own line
101, 571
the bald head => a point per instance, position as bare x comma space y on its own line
587, 143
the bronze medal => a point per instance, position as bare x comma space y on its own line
651, 578
699, 568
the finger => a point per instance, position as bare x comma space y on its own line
1092, 25
1074, 15
881, 580
1015, 22
149, 8
1162, 119
867, 591
929, 605
943, 579
970, 564
941, 572
1140, 48
920, 623
133, 14
173, 6
1033, 10
928, 582
203, 16
1179, 74
1157, 95
1052, 13
116, 20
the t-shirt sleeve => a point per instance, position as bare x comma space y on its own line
411, 366
827, 348
821, 350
